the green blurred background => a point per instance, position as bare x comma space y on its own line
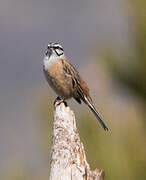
106, 41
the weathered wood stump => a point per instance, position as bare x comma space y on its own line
68, 160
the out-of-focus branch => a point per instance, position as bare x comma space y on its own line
68, 160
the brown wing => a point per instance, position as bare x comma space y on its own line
81, 89
84, 88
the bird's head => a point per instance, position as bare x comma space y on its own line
55, 50
53, 54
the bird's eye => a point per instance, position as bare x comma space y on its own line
58, 51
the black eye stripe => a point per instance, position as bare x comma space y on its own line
57, 53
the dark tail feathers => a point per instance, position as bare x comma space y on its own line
99, 118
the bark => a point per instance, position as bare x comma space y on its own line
68, 160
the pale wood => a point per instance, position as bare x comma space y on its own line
68, 160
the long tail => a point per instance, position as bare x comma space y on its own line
99, 118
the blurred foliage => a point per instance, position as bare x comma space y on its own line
130, 68
139, 21
122, 153
127, 150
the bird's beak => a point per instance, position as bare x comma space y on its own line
49, 52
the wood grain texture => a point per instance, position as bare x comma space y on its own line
68, 159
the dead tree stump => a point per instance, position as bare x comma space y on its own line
68, 160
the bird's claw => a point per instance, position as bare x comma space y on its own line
58, 101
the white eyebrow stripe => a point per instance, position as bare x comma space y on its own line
55, 45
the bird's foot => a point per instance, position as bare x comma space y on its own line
59, 100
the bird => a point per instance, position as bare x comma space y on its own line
65, 80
